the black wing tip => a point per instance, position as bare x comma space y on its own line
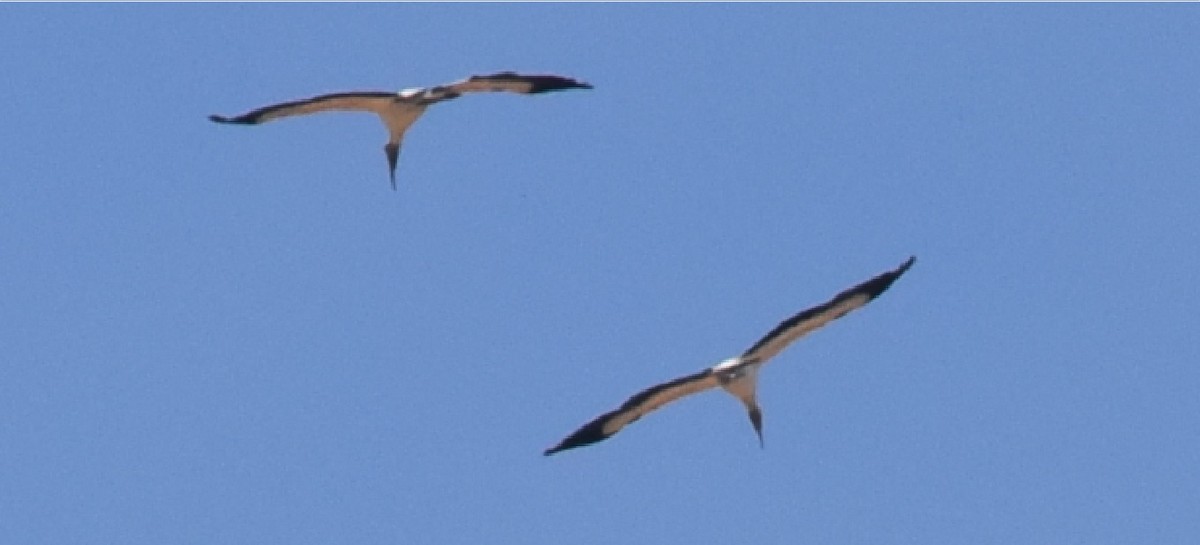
546, 84
230, 120
876, 286
592, 432
570, 443
565, 444
540, 83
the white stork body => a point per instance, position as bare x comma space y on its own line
400, 110
739, 375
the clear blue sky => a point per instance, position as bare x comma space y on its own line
242, 335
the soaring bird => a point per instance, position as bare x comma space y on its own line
738, 376
400, 110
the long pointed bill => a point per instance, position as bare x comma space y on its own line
756, 420
393, 153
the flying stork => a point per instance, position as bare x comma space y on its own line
738, 376
400, 110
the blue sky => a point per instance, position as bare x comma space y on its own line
227, 335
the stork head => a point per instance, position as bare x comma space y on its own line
739, 377
392, 149
755, 414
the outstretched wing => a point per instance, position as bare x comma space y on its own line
809, 320
366, 101
608, 424
515, 83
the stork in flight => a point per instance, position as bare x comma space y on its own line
400, 110
738, 376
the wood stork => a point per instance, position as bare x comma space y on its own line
738, 376
400, 110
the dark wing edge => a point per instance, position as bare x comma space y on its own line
633, 409
868, 291
267, 113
